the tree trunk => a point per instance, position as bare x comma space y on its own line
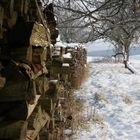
126, 55
126, 58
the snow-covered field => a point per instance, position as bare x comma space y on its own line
111, 97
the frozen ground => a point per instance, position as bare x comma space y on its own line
111, 97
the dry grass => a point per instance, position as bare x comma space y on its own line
86, 72
83, 120
74, 108
97, 118
104, 60
128, 100
100, 97
79, 75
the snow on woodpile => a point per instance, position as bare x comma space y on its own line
111, 98
67, 55
69, 61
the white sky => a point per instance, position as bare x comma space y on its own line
99, 45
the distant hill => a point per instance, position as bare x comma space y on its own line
103, 53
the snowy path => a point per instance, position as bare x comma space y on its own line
115, 94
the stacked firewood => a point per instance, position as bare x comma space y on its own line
69, 65
78, 66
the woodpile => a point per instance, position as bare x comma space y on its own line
36, 78
69, 65
78, 67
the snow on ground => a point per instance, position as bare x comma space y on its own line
112, 94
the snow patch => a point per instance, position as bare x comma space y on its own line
67, 55
65, 65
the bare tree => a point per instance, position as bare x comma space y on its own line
86, 20
120, 24
74, 20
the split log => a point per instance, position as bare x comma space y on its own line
13, 130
